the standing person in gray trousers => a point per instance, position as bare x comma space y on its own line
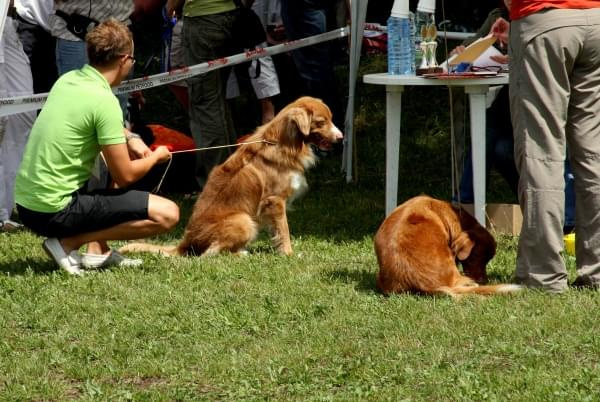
554, 85
208, 35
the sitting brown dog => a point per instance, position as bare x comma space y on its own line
252, 188
418, 244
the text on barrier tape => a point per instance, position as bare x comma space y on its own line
27, 103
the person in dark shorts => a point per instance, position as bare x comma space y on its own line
80, 119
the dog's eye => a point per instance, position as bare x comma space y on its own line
319, 122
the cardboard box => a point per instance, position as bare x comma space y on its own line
501, 218
504, 218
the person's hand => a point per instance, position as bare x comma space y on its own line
138, 148
162, 154
500, 31
138, 96
501, 58
275, 34
174, 7
145, 8
457, 50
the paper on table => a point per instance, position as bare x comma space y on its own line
485, 60
473, 51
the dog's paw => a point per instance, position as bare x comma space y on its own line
286, 251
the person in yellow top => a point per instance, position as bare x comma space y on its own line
80, 119
208, 27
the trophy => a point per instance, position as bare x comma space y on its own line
432, 47
429, 47
424, 49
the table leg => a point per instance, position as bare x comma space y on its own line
392, 145
477, 105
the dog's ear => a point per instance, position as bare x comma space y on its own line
298, 120
462, 246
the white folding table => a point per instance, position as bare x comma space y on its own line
476, 88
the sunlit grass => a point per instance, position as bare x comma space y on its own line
307, 327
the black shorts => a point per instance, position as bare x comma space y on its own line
88, 212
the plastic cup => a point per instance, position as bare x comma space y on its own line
426, 6
400, 9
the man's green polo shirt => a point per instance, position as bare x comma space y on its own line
80, 114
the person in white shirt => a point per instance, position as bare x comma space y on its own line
33, 27
15, 80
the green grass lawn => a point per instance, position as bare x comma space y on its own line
307, 327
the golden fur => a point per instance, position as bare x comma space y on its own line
251, 188
418, 244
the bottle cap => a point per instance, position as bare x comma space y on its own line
426, 6
400, 9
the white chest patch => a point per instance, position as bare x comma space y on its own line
299, 185
298, 182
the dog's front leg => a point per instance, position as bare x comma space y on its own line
274, 215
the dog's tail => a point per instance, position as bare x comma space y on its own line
485, 290
152, 248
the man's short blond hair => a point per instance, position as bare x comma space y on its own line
107, 42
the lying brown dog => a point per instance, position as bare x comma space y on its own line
418, 244
251, 188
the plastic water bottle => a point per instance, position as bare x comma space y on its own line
413, 32
401, 33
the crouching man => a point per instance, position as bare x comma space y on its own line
80, 119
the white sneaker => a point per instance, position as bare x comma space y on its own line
114, 258
70, 263
9, 226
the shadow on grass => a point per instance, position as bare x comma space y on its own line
363, 279
339, 213
331, 210
27, 265
496, 278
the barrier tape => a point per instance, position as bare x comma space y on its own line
27, 103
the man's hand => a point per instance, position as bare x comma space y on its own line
173, 7
162, 154
275, 34
501, 58
458, 50
138, 148
500, 31
145, 8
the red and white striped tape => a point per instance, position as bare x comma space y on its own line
27, 103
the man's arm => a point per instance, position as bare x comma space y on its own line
484, 29
500, 30
136, 146
125, 171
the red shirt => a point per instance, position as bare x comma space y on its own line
522, 8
